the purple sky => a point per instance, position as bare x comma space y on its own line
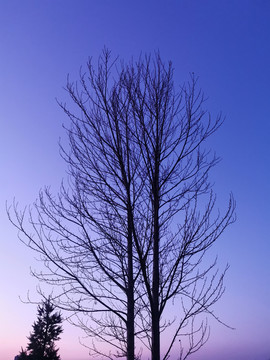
225, 43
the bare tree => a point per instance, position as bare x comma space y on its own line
84, 235
171, 129
128, 234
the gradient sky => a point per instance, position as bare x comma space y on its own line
225, 43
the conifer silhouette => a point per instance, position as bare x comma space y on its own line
46, 331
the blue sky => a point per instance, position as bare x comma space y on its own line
225, 43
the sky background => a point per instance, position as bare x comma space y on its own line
225, 43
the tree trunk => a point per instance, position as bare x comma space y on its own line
155, 284
130, 294
155, 293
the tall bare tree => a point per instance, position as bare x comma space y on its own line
171, 129
127, 236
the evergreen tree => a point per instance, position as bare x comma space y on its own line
22, 355
46, 331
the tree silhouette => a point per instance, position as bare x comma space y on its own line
46, 331
22, 355
127, 237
